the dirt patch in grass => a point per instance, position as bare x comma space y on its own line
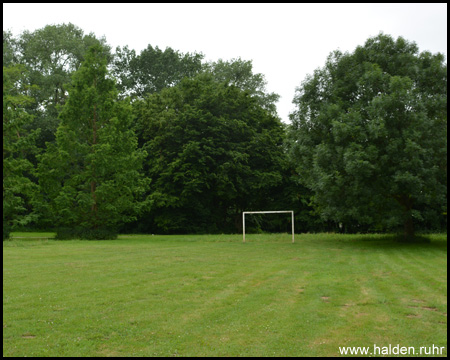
412, 316
359, 315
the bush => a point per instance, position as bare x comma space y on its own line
6, 232
78, 232
99, 234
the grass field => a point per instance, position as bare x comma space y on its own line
213, 295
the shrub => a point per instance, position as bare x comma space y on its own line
6, 232
99, 234
78, 232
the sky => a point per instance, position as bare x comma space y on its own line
285, 42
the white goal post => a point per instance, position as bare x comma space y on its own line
266, 212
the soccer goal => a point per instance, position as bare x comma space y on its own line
266, 212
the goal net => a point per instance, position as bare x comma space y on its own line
266, 212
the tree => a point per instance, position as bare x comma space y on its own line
18, 144
369, 135
122, 69
152, 70
239, 73
9, 49
91, 177
213, 152
51, 54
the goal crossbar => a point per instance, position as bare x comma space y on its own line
266, 212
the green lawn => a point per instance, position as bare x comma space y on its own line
213, 295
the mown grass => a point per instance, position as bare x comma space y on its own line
213, 295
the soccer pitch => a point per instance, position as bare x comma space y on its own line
213, 295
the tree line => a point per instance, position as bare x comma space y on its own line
97, 141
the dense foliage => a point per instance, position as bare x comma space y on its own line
91, 176
161, 142
152, 70
213, 152
370, 135
18, 145
50, 56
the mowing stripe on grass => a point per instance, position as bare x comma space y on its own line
214, 296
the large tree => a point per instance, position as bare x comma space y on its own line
91, 176
369, 135
152, 70
213, 152
239, 73
18, 145
10, 52
51, 54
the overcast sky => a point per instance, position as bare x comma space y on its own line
285, 41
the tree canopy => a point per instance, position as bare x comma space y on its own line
91, 177
239, 73
152, 70
213, 151
18, 145
370, 134
163, 141
50, 55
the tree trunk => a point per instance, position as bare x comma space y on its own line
238, 221
407, 203
94, 208
409, 227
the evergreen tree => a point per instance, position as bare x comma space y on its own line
18, 145
91, 177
